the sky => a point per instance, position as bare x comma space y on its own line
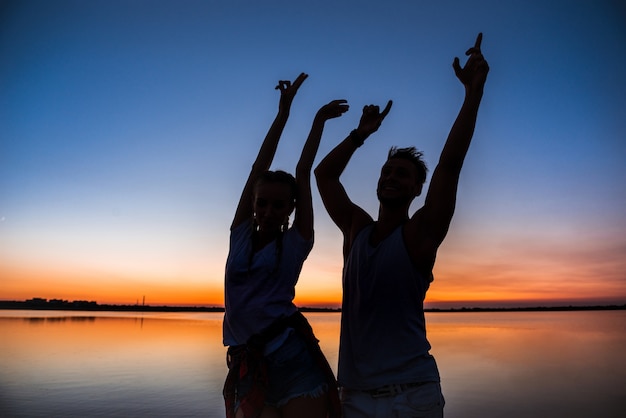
128, 128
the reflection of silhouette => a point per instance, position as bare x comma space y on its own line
56, 319
388, 263
140, 319
83, 318
34, 321
275, 364
60, 319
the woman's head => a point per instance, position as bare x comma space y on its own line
274, 199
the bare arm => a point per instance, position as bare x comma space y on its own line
304, 204
436, 215
266, 153
349, 217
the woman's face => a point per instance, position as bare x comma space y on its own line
273, 203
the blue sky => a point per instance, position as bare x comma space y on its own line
127, 130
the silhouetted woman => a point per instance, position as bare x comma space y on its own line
276, 368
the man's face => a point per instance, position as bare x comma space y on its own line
398, 183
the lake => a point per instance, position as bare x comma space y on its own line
492, 364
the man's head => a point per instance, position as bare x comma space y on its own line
401, 177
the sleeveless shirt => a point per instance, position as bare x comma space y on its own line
383, 331
259, 291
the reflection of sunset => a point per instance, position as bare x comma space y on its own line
490, 343
173, 364
64, 332
131, 342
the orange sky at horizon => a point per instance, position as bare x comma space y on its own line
457, 283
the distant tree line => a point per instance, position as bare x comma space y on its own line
87, 305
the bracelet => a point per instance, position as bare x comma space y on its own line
356, 138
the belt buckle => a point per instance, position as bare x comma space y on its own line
384, 391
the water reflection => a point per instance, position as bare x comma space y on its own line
539, 364
60, 319
172, 365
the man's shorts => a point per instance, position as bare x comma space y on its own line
424, 400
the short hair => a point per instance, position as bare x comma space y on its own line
413, 155
279, 176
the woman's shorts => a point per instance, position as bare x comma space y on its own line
292, 372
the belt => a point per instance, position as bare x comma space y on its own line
391, 390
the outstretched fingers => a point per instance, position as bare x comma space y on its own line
334, 109
340, 105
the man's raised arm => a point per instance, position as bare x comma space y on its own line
341, 209
440, 202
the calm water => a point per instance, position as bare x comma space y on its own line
98, 364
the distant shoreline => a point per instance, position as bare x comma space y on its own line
64, 305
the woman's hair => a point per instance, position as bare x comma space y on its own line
280, 177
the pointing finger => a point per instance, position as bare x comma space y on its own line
479, 40
386, 109
476, 48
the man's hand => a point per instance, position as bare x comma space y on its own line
474, 73
371, 119
332, 110
288, 91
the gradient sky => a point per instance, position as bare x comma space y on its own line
127, 130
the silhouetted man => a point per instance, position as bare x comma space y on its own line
385, 368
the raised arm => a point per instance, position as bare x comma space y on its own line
349, 217
266, 153
440, 202
304, 204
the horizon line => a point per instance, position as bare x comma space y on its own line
47, 304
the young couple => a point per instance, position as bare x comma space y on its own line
276, 368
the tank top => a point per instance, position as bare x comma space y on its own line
383, 331
257, 292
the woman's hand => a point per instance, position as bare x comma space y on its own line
288, 91
332, 110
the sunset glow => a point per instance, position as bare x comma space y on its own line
127, 130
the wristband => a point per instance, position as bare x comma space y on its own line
356, 138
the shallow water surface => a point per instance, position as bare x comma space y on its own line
502, 364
